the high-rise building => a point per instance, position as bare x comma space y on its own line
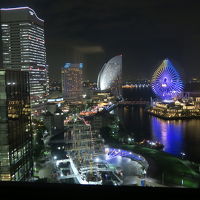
110, 76
15, 126
166, 82
23, 47
72, 78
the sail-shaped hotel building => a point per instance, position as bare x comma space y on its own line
110, 76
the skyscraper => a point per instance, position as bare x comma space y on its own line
72, 78
15, 126
23, 47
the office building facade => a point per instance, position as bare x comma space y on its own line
16, 162
72, 80
23, 47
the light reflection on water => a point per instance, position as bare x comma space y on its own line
169, 133
177, 136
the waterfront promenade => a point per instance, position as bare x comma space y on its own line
168, 170
173, 114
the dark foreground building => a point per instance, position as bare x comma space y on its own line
16, 162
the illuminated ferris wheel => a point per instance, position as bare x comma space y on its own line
166, 82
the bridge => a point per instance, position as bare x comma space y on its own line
112, 106
133, 102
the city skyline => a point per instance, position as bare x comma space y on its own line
94, 32
141, 133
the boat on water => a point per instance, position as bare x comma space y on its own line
151, 144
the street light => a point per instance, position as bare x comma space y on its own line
97, 159
182, 182
55, 157
182, 155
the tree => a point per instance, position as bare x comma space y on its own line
39, 129
106, 132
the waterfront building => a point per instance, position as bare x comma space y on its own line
110, 76
16, 162
178, 109
192, 97
23, 47
166, 81
72, 78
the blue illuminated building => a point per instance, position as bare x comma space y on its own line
166, 82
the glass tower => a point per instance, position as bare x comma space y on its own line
16, 162
23, 47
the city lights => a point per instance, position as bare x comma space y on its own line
108, 128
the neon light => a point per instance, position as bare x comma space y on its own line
166, 82
21, 8
67, 65
112, 153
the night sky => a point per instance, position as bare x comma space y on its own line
143, 31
